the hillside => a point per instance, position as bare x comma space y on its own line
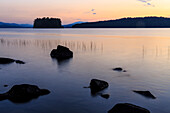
14, 25
139, 22
70, 25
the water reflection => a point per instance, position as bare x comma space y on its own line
52, 43
61, 63
155, 51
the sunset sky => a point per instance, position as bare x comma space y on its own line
25, 11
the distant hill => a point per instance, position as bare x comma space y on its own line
70, 25
14, 25
47, 22
138, 22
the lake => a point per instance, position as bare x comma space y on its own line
143, 53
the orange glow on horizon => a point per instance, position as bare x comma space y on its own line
20, 11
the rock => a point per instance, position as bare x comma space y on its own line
5, 85
61, 53
127, 108
145, 93
124, 70
6, 60
9, 60
23, 93
19, 62
106, 96
86, 87
118, 69
97, 85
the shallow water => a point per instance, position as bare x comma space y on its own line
144, 53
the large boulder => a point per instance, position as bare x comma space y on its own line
127, 108
23, 93
61, 53
97, 85
147, 94
9, 60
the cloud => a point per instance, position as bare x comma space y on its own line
147, 2
92, 11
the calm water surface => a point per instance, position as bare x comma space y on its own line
144, 53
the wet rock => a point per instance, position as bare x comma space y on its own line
127, 108
9, 60
23, 93
147, 94
5, 85
106, 96
118, 69
97, 85
61, 53
6, 60
19, 62
86, 87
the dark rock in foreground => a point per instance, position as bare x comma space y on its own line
145, 93
106, 96
97, 85
9, 60
127, 108
61, 53
23, 93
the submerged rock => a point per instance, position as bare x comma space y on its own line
119, 69
106, 96
127, 108
147, 94
61, 53
9, 60
124, 71
98, 85
23, 93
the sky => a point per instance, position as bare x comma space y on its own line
69, 11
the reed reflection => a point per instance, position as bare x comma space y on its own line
52, 43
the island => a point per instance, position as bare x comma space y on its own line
47, 22
138, 22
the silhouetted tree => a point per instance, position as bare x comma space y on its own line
47, 23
